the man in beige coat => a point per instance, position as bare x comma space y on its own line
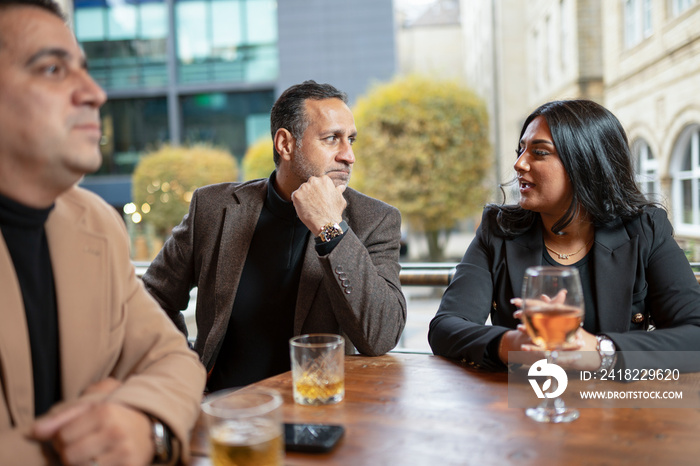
91, 370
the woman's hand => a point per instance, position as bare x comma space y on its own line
516, 340
583, 354
559, 298
580, 354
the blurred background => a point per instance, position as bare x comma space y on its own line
190, 84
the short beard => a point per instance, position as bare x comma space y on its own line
303, 170
301, 167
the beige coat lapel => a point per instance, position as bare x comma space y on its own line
81, 276
15, 352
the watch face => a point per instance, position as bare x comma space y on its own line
329, 232
607, 346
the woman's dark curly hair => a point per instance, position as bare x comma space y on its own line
593, 148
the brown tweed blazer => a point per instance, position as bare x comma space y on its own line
354, 290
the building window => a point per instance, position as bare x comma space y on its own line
646, 168
226, 40
686, 180
125, 43
216, 41
218, 44
638, 22
231, 120
131, 127
679, 6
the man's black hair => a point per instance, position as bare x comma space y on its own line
289, 110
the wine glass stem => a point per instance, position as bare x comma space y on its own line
551, 403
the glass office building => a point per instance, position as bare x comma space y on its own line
185, 71
212, 80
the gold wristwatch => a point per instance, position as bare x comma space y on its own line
332, 230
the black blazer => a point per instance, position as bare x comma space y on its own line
638, 268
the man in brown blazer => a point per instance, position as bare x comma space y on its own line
297, 253
91, 370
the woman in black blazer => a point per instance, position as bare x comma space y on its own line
580, 207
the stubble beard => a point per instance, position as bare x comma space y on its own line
303, 169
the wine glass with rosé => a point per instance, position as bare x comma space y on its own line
553, 310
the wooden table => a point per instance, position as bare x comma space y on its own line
418, 409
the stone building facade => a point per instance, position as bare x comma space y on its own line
639, 58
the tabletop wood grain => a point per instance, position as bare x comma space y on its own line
418, 409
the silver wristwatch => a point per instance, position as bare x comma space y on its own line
606, 350
161, 441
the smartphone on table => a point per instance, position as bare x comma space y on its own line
311, 438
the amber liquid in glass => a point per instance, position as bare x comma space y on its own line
240, 444
550, 327
311, 389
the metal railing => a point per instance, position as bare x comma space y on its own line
421, 273
427, 273
412, 273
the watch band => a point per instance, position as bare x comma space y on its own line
606, 350
161, 440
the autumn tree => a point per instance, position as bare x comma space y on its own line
164, 180
258, 161
423, 147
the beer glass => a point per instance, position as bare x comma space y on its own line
552, 313
245, 427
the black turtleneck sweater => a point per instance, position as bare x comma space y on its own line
256, 344
23, 230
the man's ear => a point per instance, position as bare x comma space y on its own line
284, 144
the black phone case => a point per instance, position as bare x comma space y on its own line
312, 438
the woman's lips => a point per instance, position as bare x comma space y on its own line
525, 185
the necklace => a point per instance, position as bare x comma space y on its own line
566, 256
